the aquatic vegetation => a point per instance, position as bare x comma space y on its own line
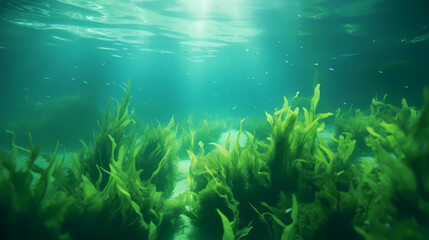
404, 149
354, 122
206, 130
288, 185
158, 157
101, 188
29, 206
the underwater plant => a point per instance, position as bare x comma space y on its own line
402, 198
354, 122
158, 157
289, 184
29, 205
292, 167
205, 130
123, 180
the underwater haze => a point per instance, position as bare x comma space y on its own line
229, 58
177, 112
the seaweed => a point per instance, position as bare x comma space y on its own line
158, 157
288, 184
29, 206
404, 149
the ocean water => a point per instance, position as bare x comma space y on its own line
227, 58
224, 60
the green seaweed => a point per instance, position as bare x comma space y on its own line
28, 204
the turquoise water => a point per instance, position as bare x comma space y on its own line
210, 64
226, 58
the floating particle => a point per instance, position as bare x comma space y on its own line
405, 86
316, 64
288, 210
103, 64
259, 83
235, 107
108, 84
247, 49
266, 73
380, 71
47, 96
76, 67
140, 89
253, 77
286, 61
248, 77
85, 82
331, 69
188, 73
256, 53
279, 42
25, 89
46, 78
73, 79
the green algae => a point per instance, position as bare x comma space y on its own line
291, 185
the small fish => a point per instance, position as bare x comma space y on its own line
331, 69
47, 78
73, 79
47, 96
108, 84
349, 54
25, 89
85, 82
286, 61
316, 64
59, 38
288, 210
235, 107
107, 48
381, 72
